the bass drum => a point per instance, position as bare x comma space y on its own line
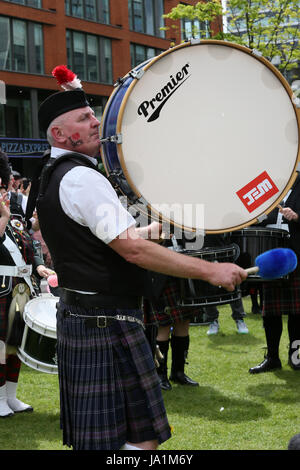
196, 137
38, 347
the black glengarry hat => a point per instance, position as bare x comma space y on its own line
63, 101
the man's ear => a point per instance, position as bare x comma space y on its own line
58, 134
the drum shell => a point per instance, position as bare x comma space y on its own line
253, 241
38, 346
195, 292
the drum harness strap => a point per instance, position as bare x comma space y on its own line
20, 269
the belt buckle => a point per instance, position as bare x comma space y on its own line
101, 322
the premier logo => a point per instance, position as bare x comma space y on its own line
156, 103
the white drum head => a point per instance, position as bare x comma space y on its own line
223, 149
40, 315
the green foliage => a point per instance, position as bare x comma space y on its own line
269, 26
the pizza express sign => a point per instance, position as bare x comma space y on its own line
24, 147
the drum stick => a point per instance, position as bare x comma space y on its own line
274, 264
252, 270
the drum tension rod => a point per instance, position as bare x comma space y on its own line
117, 139
119, 81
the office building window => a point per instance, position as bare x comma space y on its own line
21, 46
140, 54
145, 16
94, 10
90, 56
194, 29
16, 113
28, 3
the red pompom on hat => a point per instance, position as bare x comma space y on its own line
66, 78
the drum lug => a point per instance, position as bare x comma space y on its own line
261, 218
137, 73
116, 139
256, 52
194, 41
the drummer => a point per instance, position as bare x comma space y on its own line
109, 388
13, 235
281, 297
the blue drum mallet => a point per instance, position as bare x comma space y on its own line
274, 264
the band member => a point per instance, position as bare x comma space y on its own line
281, 297
109, 389
16, 249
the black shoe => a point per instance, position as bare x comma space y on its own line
182, 379
266, 365
164, 383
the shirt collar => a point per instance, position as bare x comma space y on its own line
56, 152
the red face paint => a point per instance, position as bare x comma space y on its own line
76, 136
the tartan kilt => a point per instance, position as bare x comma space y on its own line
109, 388
282, 297
165, 310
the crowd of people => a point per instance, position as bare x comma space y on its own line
17, 249
110, 387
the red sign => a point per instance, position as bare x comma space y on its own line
258, 191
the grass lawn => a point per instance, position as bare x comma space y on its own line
230, 410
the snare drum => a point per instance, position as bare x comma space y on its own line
196, 136
38, 347
195, 292
253, 241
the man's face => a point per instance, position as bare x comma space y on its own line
80, 130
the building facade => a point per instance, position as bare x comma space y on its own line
100, 40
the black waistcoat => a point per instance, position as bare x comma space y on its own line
81, 260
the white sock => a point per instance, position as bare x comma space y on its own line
5, 410
129, 447
12, 401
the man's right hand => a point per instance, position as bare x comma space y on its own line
226, 275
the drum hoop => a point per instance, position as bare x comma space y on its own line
210, 250
106, 108
252, 230
35, 325
41, 366
120, 120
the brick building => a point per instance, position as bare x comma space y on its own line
100, 40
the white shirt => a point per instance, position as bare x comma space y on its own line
88, 198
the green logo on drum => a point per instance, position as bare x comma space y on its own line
157, 103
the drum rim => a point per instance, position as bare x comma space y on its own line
262, 229
119, 148
29, 360
45, 330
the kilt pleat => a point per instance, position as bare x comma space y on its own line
282, 297
109, 388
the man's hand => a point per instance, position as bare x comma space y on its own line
226, 275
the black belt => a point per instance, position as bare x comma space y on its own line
99, 300
102, 321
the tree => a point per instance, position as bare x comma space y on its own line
272, 27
